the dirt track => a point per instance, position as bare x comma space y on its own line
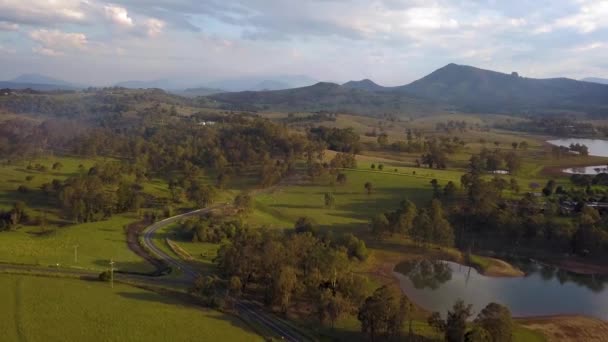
133, 231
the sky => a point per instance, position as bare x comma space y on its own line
392, 42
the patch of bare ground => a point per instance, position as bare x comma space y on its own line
568, 328
501, 268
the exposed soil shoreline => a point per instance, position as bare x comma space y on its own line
567, 328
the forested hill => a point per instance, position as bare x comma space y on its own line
326, 96
454, 87
473, 89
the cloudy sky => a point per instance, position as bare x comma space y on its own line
390, 41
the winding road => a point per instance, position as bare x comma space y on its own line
247, 309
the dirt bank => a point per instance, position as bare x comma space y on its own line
568, 328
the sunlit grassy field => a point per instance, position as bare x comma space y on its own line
49, 309
97, 242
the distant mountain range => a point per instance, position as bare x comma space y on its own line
454, 87
596, 80
263, 83
38, 82
46, 83
160, 84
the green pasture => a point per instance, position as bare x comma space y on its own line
52, 309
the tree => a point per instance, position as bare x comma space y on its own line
284, 287
514, 145
449, 191
202, 195
341, 178
57, 166
380, 167
373, 166
477, 334
383, 314
329, 199
243, 202
442, 232
380, 225
369, 187
235, 286
330, 306
222, 179
406, 216
456, 323
496, 320
383, 139
305, 225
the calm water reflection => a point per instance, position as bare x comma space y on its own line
597, 147
545, 290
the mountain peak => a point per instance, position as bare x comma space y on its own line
365, 84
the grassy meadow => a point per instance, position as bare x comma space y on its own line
49, 309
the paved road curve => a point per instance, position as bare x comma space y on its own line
247, 309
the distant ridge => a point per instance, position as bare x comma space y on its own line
452, 87
39, 82
474, 89
159, 84
595, 80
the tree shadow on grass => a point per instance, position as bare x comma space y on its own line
152, 297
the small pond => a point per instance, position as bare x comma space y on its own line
545, 290
597, 147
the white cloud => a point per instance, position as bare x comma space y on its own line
43, 11
589, 47
56, 43
46, 51
6, 26
118, 15
592, 15
154, 27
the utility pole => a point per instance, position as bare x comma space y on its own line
75, 254
112, 273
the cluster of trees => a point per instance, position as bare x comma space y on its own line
98, 194
492, 160
290, 267
425, 225
383, 314
336, 139
550, 125
528, 220
437, 150
451, 126
12, 218
560, 151
494, 323
209, 228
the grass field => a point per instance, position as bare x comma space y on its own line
97, 242
48, 309
353, 207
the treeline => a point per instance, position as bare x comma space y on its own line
494, 160
425, 226
530, 220
551, 125
98, 193
288, 269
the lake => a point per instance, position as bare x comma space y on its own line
597, 147
545, 290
